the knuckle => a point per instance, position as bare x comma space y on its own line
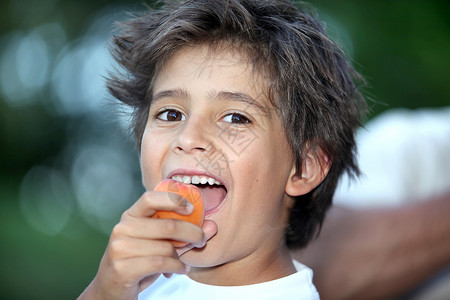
125, 215
166, 248
117, 267
116, 248
169, 227
119, 230
146, 198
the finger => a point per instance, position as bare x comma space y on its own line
126, 247
152, 201
138, 268
158, 229
209, 228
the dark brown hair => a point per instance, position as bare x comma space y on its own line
311, 83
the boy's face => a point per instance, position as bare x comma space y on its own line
210, 118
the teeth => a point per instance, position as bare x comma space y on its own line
196, 179
187, 179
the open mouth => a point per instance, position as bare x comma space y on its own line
213, 191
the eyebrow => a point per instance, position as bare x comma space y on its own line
213, 96
243, 98
176, 93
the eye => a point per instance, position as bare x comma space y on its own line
171, 115
236, 118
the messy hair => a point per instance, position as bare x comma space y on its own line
312, 86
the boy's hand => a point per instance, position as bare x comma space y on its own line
139, 250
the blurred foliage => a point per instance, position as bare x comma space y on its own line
402, 48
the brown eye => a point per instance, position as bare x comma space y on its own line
236, 118
171, 115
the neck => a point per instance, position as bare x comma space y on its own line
256, 268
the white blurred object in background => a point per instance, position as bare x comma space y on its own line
404, 156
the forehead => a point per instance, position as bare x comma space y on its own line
222, 68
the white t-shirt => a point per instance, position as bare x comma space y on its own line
297, 286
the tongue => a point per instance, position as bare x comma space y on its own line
212, 196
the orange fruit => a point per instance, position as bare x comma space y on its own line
189, 192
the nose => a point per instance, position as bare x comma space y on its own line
192, 137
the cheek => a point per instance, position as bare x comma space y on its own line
261, 156
253, 169
265, 166
150, 159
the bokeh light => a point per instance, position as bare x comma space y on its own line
24, 67
46, 199
104, 184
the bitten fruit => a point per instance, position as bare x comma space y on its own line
189, 192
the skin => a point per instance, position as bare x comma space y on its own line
379, 253
204, 103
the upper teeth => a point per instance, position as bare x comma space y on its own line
196, 179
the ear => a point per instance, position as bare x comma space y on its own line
315, 167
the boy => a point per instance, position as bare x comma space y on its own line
251, 99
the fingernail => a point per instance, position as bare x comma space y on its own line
189, 208
202, 244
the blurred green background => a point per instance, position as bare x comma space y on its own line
68, 168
